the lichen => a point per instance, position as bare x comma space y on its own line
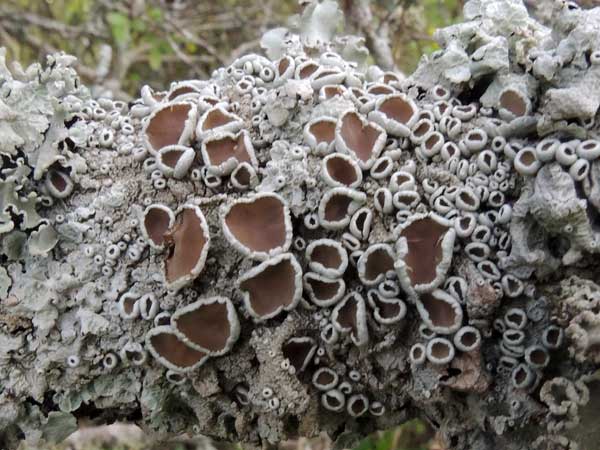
304, 244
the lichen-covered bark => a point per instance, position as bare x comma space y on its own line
260, 288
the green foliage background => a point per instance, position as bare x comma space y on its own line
156, 41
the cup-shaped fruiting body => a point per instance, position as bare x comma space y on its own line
156, 220
175, 378
515, 351
383, 201
128, 306
209, 325
244, 177
162, 318
440, 351
515, 318
464, 112
223, 152
299, 351
475, 140
173, 353
396, 113
319, 135
327, 257
477, 251
170, 124
285, 69
329, 334
402, 180
382, 167
272, 287
442, 109
325, 379
148, 306
188, 242
389, 288
357, 405
512, 286
258, 226
424, 252
327, 76
421, 131
406, 200
267, 392
377, 409
59, 184
523, 377
356, 93
133, 353
350, 242
73, 361
245, 85
417, 354
537, 356
206, 102
565, 154
580, 169
504, 215
386, 310
350, 316
360, 223
337, 207
217, 119
482, 233
450, 126
526, 162
306, 70
487, 161
545, 150
354, 375
333, 400
390, 78
440, 312
183, 90
553, 336
457, 287
175, 160
513, 337
489, 270
589, 149
341, 170
379, 89
432, 144
513, 103
331, 91
359, 138
110, 361
467, 339
467, 199
324, 291
375, 263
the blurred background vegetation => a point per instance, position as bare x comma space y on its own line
124, 44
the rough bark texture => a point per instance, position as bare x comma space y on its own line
300, 278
